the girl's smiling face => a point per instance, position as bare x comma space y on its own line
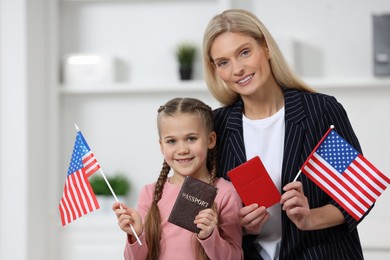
184, 142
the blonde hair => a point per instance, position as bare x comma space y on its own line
246, 23
153, 220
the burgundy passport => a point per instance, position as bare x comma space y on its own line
253, 183
194, 196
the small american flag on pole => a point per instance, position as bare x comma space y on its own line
344, 174
78, 197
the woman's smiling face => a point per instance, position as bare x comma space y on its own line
241, 62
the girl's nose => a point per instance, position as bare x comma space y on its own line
183, 149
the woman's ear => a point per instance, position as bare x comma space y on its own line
212, 140
267, 52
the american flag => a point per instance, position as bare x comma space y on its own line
345, 175
78, 197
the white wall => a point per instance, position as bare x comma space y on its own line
141, 34
120, 127
337, 35
12, 133
24, 166
334, 37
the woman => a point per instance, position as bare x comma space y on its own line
268, 111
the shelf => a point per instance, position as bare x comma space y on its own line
200, 86
134, 88
348, 83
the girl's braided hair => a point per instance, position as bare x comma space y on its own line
153, 220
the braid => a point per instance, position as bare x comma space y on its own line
153, 220
212, 164
161, 181
171, 108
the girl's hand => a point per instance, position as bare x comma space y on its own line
253, 218
206, 221
127, 216
296, 205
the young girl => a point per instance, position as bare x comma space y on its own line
187, 142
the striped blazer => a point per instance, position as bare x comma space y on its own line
307, 118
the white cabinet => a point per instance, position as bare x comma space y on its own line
95, 236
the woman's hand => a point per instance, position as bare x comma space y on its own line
253, 218
296, 205
206, 221
127, 216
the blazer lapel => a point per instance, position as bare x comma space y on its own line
294, 135
236, 137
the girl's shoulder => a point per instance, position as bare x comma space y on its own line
223, 185
227, 195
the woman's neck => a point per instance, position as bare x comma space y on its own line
264, 104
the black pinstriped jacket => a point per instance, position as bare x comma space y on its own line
307, 118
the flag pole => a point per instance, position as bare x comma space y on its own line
116, 198
296, 177
315, 149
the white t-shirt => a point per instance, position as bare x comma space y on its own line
265, 138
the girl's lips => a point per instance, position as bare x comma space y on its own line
245, 79
184, 160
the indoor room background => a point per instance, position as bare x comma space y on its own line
329, 43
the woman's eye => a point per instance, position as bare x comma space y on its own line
222, 63
245, 52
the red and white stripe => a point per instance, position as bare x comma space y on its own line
90, 163
78, 198
355, 190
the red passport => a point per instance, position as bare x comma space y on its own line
253, 183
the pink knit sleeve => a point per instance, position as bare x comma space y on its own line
226, 242
134, 250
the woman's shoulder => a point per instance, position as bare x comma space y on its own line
310, 100
227, 108
222, 110
294, 93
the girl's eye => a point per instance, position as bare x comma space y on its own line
171, 141
192, 139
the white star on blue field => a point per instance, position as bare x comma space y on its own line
337, 152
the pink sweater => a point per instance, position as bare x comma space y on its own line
176, 242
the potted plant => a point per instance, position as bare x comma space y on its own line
119, 184
185, 54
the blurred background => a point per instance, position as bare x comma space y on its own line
107, 65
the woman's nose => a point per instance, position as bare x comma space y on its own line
238, 68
